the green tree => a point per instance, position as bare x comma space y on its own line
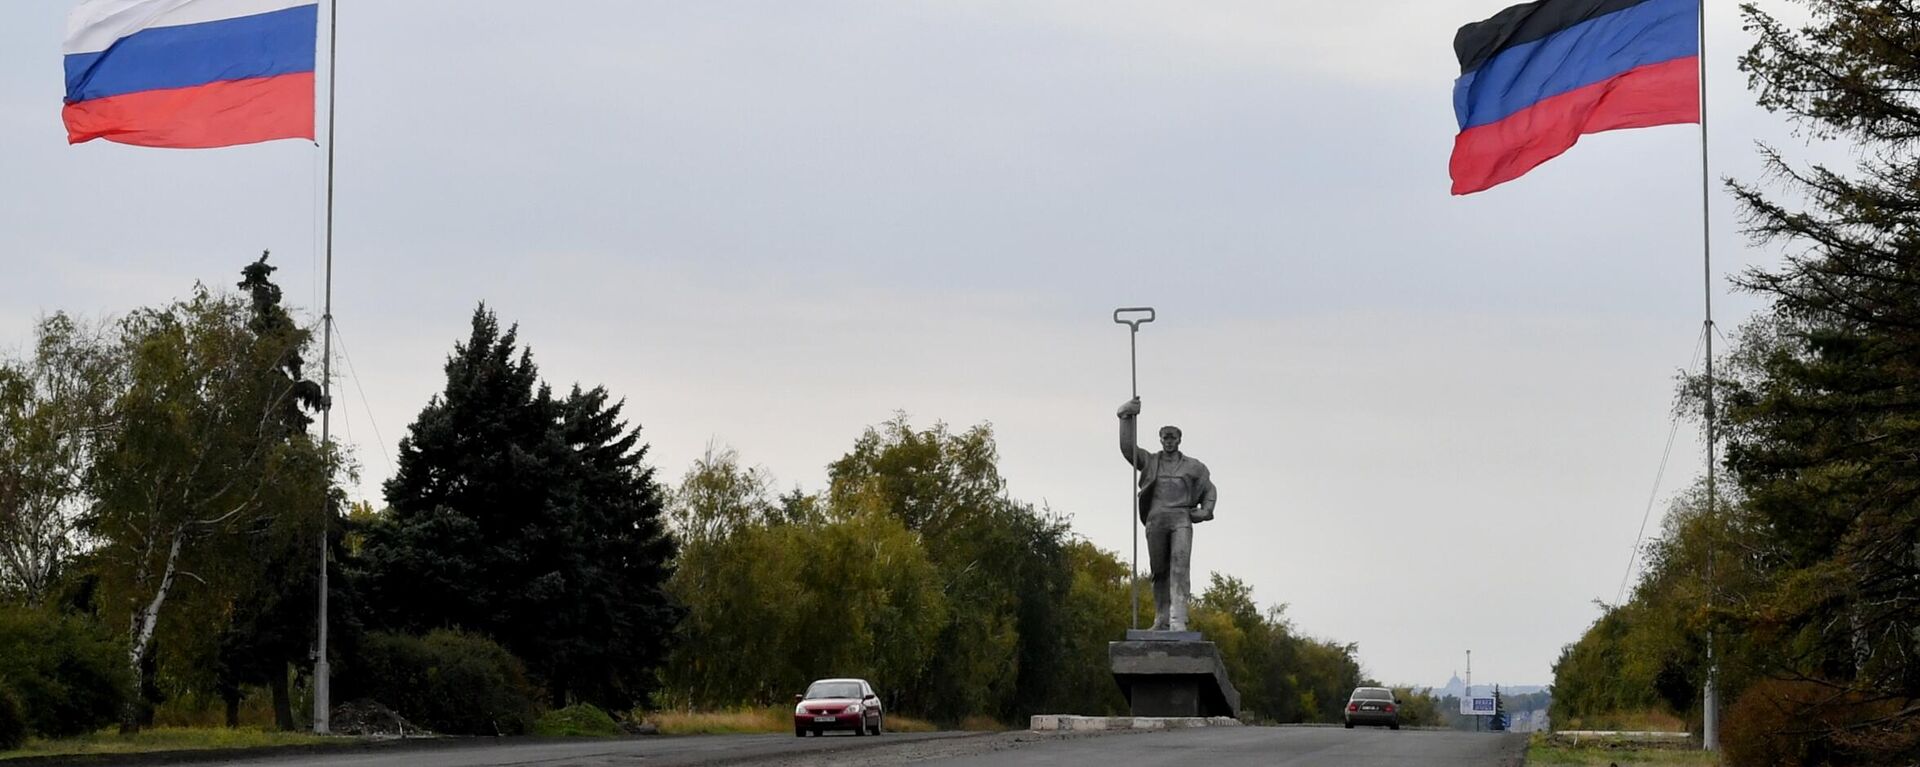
738, 584
1097, 610
777, 599
68, 673
1003, 564
271, 616
718, 497
1326, 674
612, 620
53, 414
1823, 405
531, 519
1649, 654
1418, 708
198, 454
918, 570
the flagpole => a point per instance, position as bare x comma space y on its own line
1710, 715
322, 705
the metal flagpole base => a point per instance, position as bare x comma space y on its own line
322, 706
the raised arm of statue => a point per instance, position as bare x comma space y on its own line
1130, 434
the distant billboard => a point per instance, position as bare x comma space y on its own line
1476, 705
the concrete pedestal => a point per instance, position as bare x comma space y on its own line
1172, 676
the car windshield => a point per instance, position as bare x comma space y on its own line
1372, 693
833, 690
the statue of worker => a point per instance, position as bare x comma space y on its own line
1175, 492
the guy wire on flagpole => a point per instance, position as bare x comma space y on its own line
321, 705
1710, 704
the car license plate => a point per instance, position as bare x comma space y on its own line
823, 719
1371, 707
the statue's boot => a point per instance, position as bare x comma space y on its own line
1162, 599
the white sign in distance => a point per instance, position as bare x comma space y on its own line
1477, 706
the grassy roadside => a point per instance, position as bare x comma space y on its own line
1637, 721
1545, 749
170, 739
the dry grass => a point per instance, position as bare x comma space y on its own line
734, 722
171, 739
897, 723
983, 724
1550, 750
1631, 721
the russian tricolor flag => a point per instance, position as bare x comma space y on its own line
1536, 77
190, 73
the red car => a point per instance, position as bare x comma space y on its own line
838, 704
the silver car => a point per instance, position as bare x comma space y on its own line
1373, 705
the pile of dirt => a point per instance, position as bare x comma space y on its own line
370, 718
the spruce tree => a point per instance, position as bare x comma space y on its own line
271, 621
530, 519
618, 615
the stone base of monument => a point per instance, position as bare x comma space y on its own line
1172, 674
1061, 723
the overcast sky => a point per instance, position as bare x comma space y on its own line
1434, 421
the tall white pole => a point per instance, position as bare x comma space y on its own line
1710, 704
322, 705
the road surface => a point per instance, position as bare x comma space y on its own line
1277, 746
1209, 747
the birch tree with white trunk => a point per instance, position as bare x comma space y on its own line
199, 454
53, 412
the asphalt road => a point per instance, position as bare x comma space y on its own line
676, 751
1208, 747
1267, 746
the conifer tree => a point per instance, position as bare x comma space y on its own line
272, 614
530, 519
1823, 406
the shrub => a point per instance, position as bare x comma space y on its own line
581, 719
13, 726
447, 681
1780, 722
67, 676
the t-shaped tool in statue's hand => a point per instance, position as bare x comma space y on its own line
1133, 317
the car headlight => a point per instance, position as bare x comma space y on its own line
854, 709
800, 709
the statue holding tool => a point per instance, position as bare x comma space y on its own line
1167, 670
1172, 491
1175, 492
